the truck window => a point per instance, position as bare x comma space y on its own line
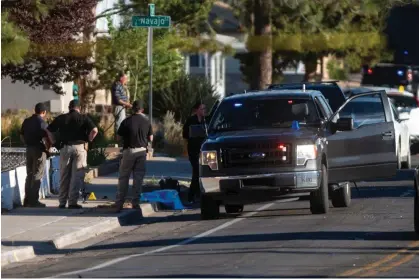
257, 113
365, 110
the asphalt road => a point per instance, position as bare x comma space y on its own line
372, 238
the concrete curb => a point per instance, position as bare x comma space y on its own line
106, 225
17, 255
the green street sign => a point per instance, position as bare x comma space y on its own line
151, 21
151, 9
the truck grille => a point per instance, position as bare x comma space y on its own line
257, 155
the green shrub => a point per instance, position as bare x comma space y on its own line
173, 141
336, 71
96, 157
182, 95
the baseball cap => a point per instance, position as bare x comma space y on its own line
137, 105
40, 107
74, 104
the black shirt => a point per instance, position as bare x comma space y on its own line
135, 131
194, 144
73, 127
33, 130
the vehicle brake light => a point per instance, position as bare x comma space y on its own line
282, 147
409, 75
369, 71
290, 102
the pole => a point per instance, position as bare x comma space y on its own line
151, 13
150, 66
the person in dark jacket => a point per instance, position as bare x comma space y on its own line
194, 147
38, 139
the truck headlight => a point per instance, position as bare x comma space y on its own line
306, 152
209, 158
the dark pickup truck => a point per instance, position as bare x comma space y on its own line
264, 145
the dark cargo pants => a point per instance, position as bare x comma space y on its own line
35, 167
133, 161
73, 163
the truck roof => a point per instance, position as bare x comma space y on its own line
286, 93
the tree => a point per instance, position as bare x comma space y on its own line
14, 42
55, 55
126, 49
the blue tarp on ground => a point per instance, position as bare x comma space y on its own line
169, 198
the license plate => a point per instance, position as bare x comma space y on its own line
307, 180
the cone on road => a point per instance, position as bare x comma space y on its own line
92, 197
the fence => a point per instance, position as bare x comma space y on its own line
13, 176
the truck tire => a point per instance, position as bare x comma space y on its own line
416, 208
342, 197
210, 209
319, 199
408, 163
233, 208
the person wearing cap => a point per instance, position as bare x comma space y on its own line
119, 100
135, 132
36, 137
75, 130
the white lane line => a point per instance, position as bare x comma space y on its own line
186, 241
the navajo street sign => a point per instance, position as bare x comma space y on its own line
151, 21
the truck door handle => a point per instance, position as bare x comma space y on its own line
387, 134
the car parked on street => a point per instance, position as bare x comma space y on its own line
330, 90
264, 145
407, 112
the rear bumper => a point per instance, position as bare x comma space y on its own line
297, 181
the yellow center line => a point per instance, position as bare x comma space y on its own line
403, 260
372, 266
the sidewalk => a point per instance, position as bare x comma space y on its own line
27, 232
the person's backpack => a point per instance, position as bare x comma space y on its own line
169, 184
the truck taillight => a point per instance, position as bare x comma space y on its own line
409, 75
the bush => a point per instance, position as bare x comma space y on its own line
97, 156
173, 140
182, 95
11, 122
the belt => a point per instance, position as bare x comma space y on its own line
74, 143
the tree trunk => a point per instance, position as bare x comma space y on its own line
310, 64
263, 57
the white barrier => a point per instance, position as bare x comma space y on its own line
13, 181
8, 184
55, 176
20, 189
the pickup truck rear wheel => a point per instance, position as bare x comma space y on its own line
319, 199
341, 197
233, 208
416, 208
210, 209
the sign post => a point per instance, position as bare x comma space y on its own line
151, 21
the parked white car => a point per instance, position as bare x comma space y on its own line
408, 107
401, 122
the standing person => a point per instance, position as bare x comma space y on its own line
75, 130
136, 132
119, 100
33, 133
194, 148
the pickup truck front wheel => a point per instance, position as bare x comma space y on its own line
233, 208
341, 197
319, 199
210, 209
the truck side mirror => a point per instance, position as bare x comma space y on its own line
344, 124
197, 131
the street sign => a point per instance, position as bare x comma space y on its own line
151, 10
151, 21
